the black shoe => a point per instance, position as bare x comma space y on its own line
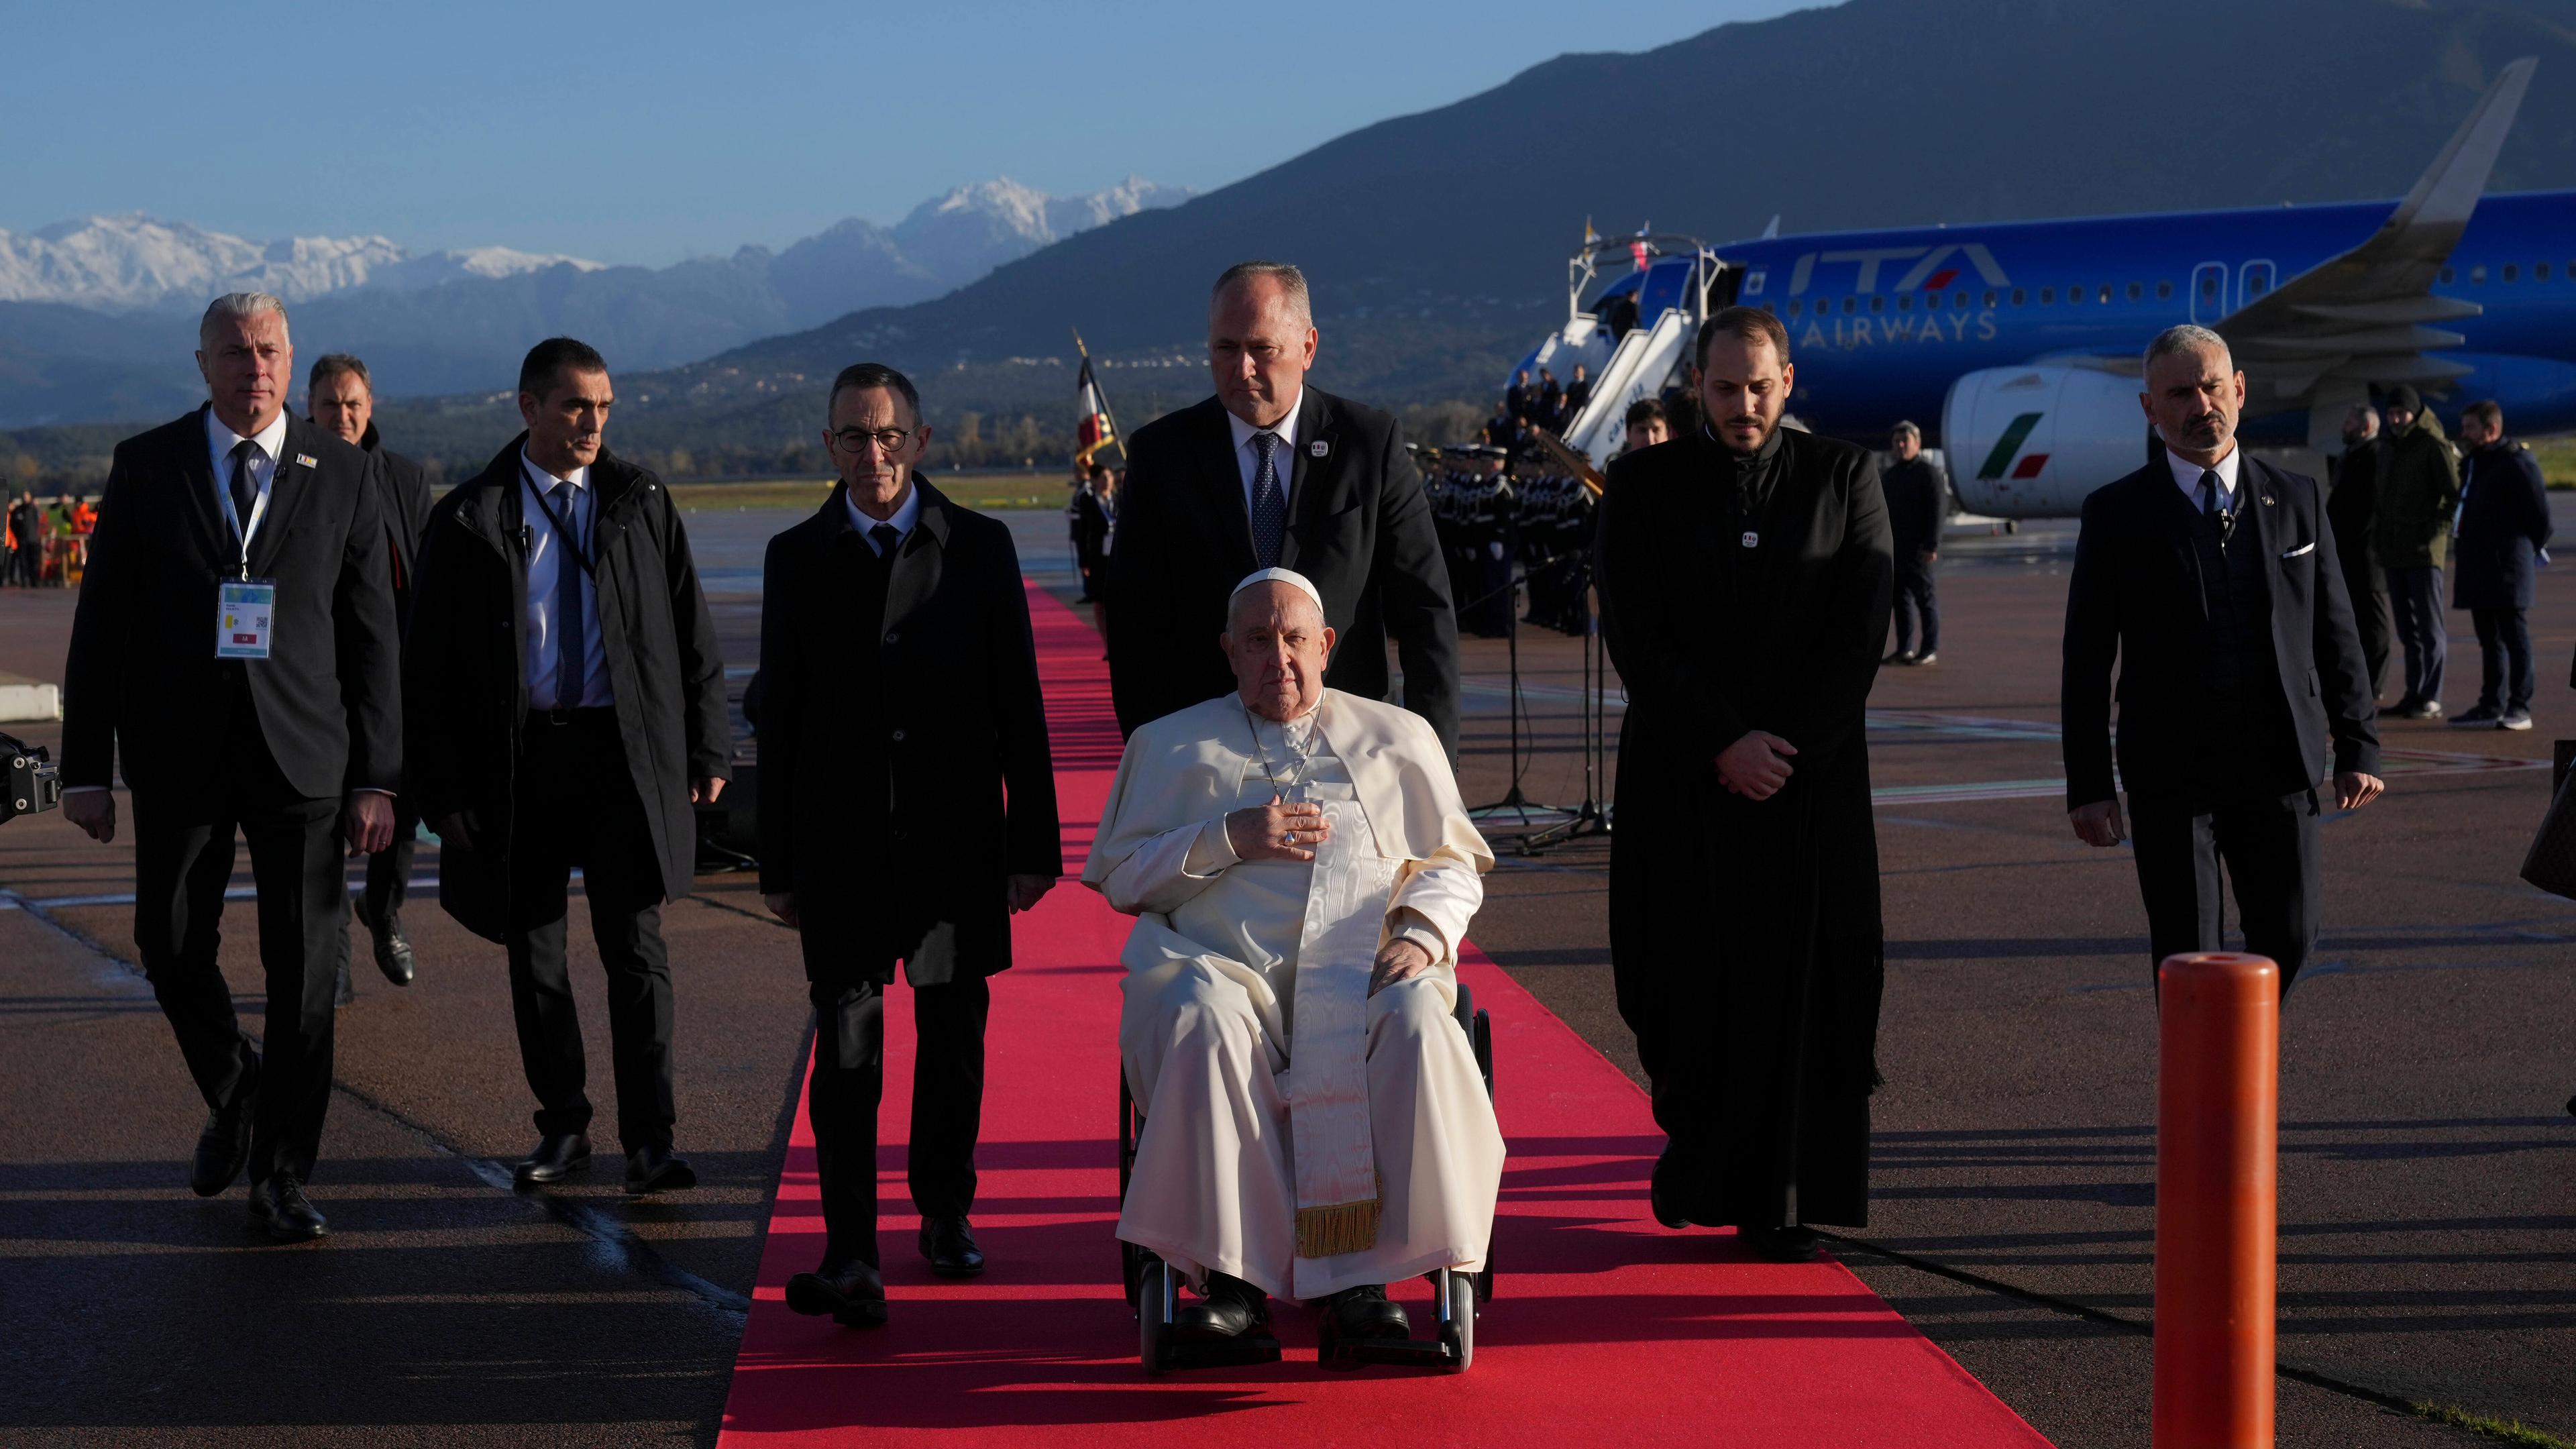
278, 1205
949, 1244
1229, 1309
2514, 719
1928, 656
1792, 1244
2482, 716
1362, 1314
850, 1294
1901, 656
223, 1149
2417, 709
393, 948
654, 1169
1664, 1191
342, 992
558, 1154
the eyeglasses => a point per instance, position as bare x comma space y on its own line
856, 440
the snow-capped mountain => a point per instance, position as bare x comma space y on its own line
133, 262
973, 229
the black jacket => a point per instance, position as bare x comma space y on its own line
2352, 509
143, 666
406, 505
897, 791
2504, 524
1358, 526
1917, 502
2135, 600
465, 672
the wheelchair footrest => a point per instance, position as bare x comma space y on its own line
1251, 1348
1351, 1353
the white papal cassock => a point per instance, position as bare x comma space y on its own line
1300, 1134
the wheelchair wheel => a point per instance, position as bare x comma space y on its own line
1458, 1321
1153, 1303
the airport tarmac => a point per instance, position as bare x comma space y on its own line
2428, 1178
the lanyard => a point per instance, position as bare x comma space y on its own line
564, 535
240, 531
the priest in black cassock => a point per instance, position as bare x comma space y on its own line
1745, 573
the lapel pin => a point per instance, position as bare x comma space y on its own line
1318, 448
2267, 500
305, 460
1752, 539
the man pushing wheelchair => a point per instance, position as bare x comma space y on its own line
1315, 1124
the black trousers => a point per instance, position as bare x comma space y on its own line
576, 806
1914, 602
183, 860
2268, 846
389, 872
2369, 590
2509, 679
848, 1085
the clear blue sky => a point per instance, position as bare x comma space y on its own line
648, 132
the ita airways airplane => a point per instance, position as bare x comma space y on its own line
2016, 345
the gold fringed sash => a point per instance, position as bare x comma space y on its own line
1349, 1227
1328, 1107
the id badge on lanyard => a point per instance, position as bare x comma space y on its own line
245, 615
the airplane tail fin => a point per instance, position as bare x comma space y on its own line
2439, 206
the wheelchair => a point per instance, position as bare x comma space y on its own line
1153, 1289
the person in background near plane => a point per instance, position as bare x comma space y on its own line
1094, 502
2503, 540
1577, 393
1647, 426
1518, 399
1918, 500
2419, 486
2352, 511
2210, 579
563, 659
1550, 413
26, 539
342, 398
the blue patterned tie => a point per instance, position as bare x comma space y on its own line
574, 649
1269, 503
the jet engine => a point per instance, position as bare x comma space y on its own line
2031, 442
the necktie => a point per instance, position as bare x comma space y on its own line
1269, 503
244, 488
2209, 491
887, 541
573, 650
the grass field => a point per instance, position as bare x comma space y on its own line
2557, 460
1017, 488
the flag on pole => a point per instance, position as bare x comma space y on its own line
1092, 428
1591, 238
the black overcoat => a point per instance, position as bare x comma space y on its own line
896, 792
2504, 524
1745, 936
1358, 526
404, 498
465, 674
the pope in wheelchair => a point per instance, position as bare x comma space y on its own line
1314, 1122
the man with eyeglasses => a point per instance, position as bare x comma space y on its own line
907, 810
562, 666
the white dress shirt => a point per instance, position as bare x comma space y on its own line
906, 514
2187, 476
545, 642
220, 442
1282, 458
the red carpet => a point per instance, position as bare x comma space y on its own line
1604, 1329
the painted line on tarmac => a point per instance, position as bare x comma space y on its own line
613, 1244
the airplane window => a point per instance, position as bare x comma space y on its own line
2164, 291
1958, 299
2540, 272
2512, 273
1931, 301
2047, 295
2136, 291
1766, 306
1990, 299
2075, 296
2018, 294
1851, 304
2477, 274
2209, 286
1877, 303
1795, 306
2106, 294
1905, 301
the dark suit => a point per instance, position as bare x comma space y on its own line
2221, 764
2495, 561
405, 502
1358, 526
520, 798
904, 774
268, 747
2352, 510
1091, 525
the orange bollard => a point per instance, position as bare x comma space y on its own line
2218, 1114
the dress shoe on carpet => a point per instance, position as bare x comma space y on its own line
1793, 1244
393, 948
278, 1205
654, 1169
557, 1155
1362, 1314
223, 1149
949, 1244
1664, 1193
1228, 1310
850, 1294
